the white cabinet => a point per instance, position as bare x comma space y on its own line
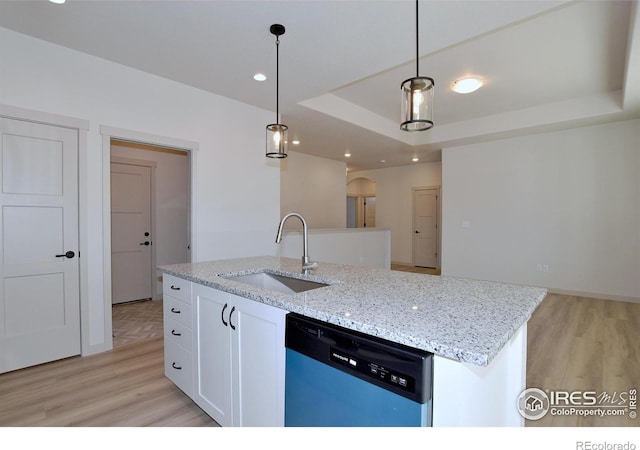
240, 359
178, 336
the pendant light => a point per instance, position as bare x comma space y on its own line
417, 97
277, 132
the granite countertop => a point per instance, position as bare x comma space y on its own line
456, 318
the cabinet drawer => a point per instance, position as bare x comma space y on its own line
178, 333
178, 366
177, 310
176, 287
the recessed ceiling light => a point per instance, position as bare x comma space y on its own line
382, 161
347, 155
415, 159
466, 85
59, 2
259, 77
295, 142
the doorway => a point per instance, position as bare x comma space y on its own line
426, 227
138, 244
361, 203
361, 212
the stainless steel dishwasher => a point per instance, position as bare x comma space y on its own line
338, 377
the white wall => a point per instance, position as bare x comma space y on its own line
314, 187
367, 247
567, 199
231, 218
394, 201
171, 197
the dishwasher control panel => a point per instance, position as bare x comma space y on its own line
374, 370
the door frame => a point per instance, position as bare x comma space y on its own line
119, 134
438, 188
82, 126
152, 165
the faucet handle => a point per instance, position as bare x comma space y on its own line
309, 265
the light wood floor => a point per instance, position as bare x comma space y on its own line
584, 344
136, 321
125, 387
413, 269
573, 343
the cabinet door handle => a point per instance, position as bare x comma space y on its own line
176, 311
176, 367
222, 314
175, 334
230, 314
175, 288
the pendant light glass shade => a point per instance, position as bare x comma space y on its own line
277, 137
277, 133
417, 96
417, 104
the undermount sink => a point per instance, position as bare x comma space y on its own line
278, 283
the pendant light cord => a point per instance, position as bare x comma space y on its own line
277, 79
417, 44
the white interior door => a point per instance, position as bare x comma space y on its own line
370, 212
131, 274
425, 223
39, 272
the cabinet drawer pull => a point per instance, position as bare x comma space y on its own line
222, 314
175, 334
176, 311
175, 288
176, 367
230, 314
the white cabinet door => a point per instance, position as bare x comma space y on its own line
257, 345
212, 353
39, 285
239, 359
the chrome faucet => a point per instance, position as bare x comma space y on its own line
306, 263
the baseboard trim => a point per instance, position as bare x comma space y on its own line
618, 298
401, 263
410, 264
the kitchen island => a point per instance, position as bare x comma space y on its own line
475, 329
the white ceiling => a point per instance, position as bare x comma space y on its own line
547, 64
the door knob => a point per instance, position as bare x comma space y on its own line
69, 255
145, 243
417, 232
